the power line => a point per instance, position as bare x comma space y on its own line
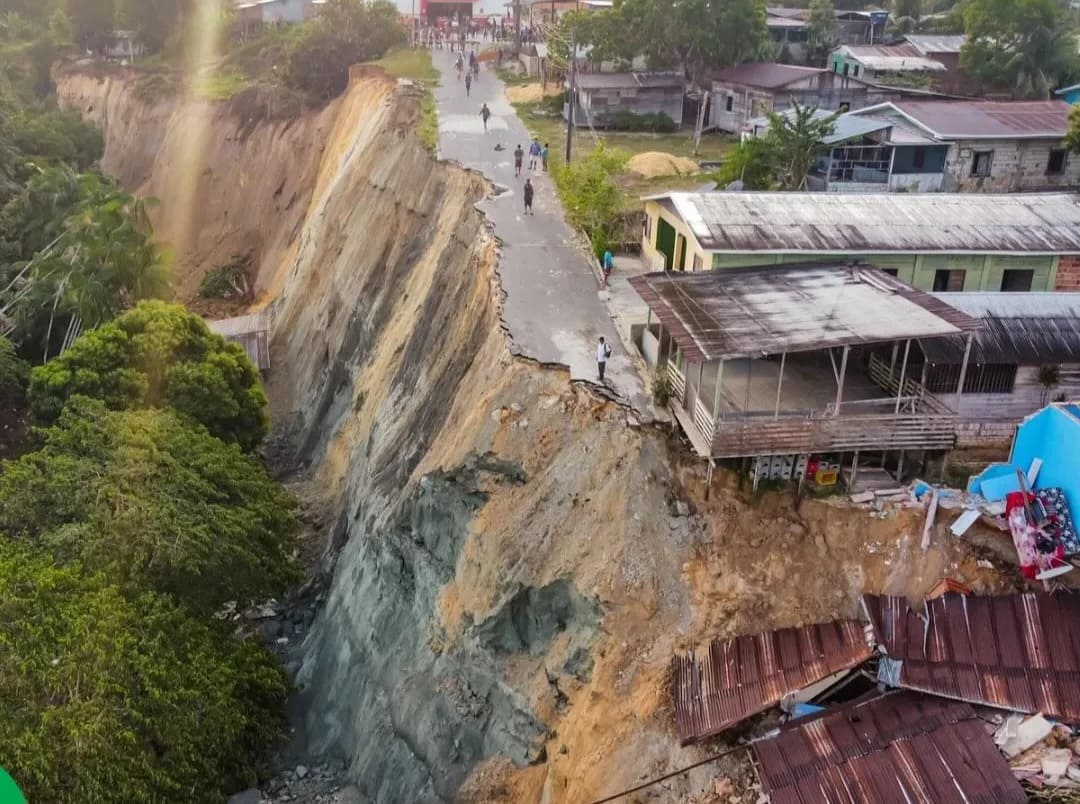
672, 775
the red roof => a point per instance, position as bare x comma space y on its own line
978, 119
740, 677
1018, 652
899, 748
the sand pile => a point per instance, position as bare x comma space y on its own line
530, 93
657, 163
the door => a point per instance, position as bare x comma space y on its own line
665, 242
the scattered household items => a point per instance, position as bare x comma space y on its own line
735, 678
1017, 652
897, 747
948, 586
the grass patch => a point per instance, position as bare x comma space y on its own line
221, 85
414, 63
512, 78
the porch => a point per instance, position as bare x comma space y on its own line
797, 359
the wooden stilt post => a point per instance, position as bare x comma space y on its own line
892, 362
903, 376
900, 468
964, 365
779, 385
854, 469
840, 380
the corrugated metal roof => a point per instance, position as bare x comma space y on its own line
251, 332
1020, 328
948, 43
765, 75
900, 748
628, 80
737, 678
904, 57
1017, 652
751, 312
845, 127
867, 223
980, 119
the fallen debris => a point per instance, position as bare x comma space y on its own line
1017, 734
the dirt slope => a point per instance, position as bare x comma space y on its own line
508, 583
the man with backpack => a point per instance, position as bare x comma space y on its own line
603, 352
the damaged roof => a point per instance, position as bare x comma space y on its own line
1017, 652
251, 332
868, 223
899, 748
737, 678
628, 80
751, 312
1018, 328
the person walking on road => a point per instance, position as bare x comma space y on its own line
534, 154
544, 156
458, 65
485, 115
518, 156
528, 190
607, 262
468, 83
603, 352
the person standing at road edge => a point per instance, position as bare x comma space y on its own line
534, 154
544, 156
485, 115
607, 262
519, 154
528, 191
603, 352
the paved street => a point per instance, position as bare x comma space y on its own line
553, 311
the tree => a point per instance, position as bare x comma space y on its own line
155, 504
154, 20
158, 355
60, 29
108, 699
750, 163
589, 195
14, 374
906, 14
795, 140
91, 22
1026, 47
1072, 139
81, 253
823, 34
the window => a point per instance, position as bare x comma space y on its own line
980, 163
980, 379
891, 271
948, 281
646, 232
918, 158
729, 103
846, 68
844, 107
1056, 163
1017, 280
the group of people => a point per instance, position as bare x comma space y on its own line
474, 70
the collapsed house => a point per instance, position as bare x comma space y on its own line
947, 674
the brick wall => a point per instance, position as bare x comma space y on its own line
1068, 274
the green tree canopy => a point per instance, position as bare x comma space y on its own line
1026, 47
159, 355
823, 33
154, 20
108, 699
155, 504
91, 21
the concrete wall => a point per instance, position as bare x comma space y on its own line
1016, 166
1052, 435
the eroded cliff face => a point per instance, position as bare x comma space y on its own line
508, 580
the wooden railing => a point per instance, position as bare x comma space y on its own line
789, 436
678, 381
914, 398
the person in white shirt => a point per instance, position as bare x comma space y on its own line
603, 352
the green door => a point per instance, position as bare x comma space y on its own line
665, 242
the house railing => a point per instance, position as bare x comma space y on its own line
920, 400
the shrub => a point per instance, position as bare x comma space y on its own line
661, 386
155, 504
158, 355
14, 374
227, 282
108, 699
657, 122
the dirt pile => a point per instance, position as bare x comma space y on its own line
512, 561
651, 164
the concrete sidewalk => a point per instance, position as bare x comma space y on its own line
553, 310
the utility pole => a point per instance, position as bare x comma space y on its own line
517, 27
572, 94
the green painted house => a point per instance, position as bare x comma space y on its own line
934, 241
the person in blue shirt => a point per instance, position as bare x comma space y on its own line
608, 263
534, 154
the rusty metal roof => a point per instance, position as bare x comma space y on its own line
1018, 328
737, 678
981, 119
766, 74
899, 748
869, 223
1017, 652
751, 312
904, 57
